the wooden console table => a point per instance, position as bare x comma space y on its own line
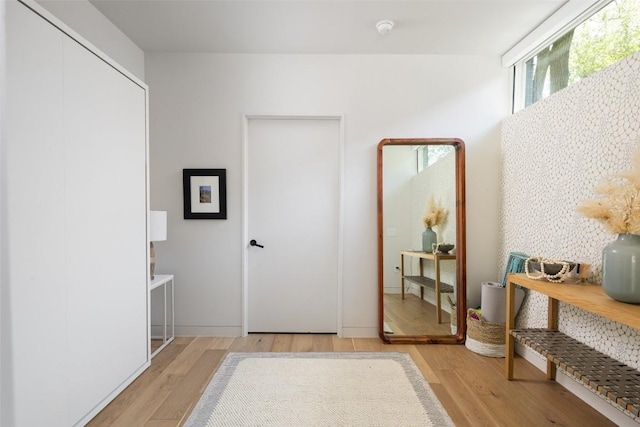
618, 383
426, 282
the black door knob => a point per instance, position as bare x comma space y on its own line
254, 243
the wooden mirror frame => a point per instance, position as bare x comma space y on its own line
461, 278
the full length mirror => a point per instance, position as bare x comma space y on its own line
421, 240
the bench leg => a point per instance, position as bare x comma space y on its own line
552, 323
510, 324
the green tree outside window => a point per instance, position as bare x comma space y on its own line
608, 36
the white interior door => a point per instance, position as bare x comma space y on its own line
293, 211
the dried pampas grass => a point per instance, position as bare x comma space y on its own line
435, 214
618, 208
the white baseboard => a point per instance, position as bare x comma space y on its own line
359, 332
583, 393
209, 331
157, 331
233, 331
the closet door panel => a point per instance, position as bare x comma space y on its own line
33, 228
105, 149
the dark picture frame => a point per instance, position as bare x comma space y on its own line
205, 193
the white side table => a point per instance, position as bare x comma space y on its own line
164, 281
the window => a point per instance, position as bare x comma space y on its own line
429, 154
609, 35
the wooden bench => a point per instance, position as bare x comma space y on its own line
605, 376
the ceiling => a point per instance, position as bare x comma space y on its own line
457, 27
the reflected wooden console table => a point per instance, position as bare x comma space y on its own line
426, 282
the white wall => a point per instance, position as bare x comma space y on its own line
197, 102
90, 23
398, 167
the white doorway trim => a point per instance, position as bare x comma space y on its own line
245, 205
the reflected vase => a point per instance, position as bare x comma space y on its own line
429, 237
621, 268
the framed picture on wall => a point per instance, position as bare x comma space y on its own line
205, 193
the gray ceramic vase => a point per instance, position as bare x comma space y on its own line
429, 237
621, 269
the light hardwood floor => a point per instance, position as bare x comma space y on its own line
471, 387
413, 316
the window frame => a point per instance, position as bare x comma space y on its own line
566, 18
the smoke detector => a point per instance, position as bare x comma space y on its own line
384, 26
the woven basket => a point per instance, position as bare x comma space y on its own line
453, 315
485, 338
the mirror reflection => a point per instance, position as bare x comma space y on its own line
422, 251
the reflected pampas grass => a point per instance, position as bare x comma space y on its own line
435, 214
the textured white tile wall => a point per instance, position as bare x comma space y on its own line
554, 153
438, 180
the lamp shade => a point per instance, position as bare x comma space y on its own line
157, 226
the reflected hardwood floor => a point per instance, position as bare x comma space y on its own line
471, 387
413, 316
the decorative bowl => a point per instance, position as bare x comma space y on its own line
550, 268
445, 247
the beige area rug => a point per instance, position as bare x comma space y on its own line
318, 389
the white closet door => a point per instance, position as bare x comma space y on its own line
104, 122
33, 225
73, 227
